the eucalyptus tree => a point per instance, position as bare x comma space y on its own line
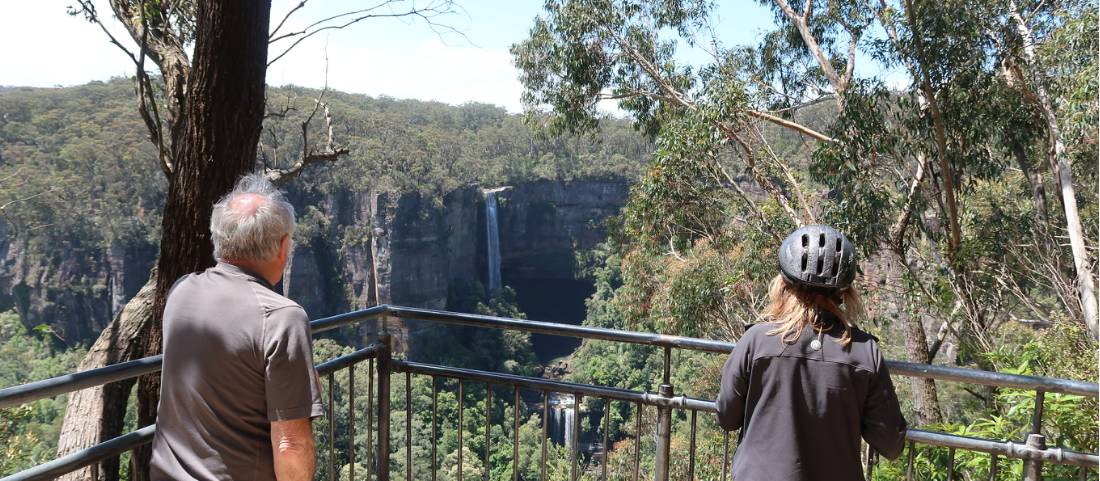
926, 175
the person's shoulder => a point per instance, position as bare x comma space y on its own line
281, 314
274, 303
762, 327
861, 336
865, 346
757, 331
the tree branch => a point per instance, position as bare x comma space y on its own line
330, 152
427, 14
897, 229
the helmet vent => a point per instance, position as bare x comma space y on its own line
838, 249
836, 267
821, 240
805, 240
803, 261
820, 264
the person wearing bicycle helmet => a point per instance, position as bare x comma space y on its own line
806, 385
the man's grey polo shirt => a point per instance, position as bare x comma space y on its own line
237, 356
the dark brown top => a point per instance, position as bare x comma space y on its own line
237, 356
802, 411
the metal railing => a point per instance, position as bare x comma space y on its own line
381, 367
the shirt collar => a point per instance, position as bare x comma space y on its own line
242, 272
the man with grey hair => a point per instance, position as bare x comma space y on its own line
239, 388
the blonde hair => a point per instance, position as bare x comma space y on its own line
793, 308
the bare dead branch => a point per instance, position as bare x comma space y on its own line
147, 101
283, 21
330, 151
791, 125
427, 14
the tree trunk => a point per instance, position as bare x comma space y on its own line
1038, 192
1086, 283
96, 414
223, 116
925, 398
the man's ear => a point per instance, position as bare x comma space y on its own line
284, 247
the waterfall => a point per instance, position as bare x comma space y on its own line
562, 414
568, 438
492, 239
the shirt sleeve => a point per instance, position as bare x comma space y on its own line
734, 385
292, 387
883, 425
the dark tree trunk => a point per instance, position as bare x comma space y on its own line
222, 120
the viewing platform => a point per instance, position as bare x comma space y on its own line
644, 451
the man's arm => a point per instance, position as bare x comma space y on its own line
293, 392
293, 449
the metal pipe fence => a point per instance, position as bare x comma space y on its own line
665, 412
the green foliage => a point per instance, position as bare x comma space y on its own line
77, 173
30, 431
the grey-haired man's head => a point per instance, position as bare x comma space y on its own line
252, 224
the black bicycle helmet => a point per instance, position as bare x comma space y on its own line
818, 256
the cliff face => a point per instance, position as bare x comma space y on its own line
543, 224
418, 249
75, 291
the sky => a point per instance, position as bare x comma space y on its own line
43, 46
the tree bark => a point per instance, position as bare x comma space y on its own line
925, 395
1086, 282
96, 414
222, 121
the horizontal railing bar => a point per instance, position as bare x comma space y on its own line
1005, 448
932, 371
16, 395
535, 383
993, 378
538, 383
126, 442
369, 352
340, 320
569, 330
84, 457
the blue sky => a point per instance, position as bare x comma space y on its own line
394, 57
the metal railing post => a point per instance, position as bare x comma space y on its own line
664, 420
1033, 468
664, 434
384, 369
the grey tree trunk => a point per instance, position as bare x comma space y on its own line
925, 397
1086, 282
96, 414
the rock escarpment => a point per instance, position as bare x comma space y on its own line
355, 249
